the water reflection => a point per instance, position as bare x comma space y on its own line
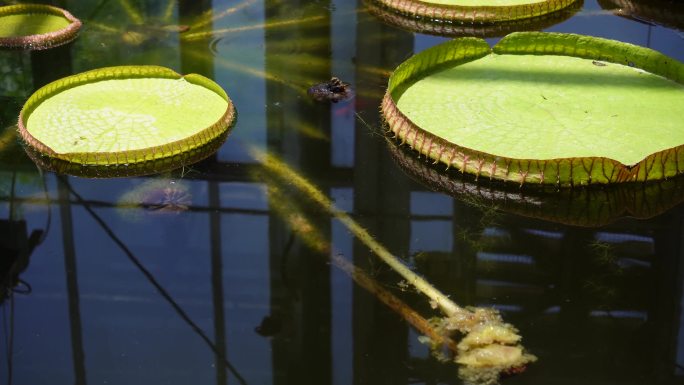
599, 305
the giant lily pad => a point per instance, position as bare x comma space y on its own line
542, 108
474, 11
125, 118
467, 27
36, 26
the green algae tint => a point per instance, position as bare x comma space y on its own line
125, 115
543, 108
31, 24
546, 107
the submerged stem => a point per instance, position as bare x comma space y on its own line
489, 346
273, 164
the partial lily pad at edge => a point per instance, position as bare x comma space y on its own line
459, 29
36, 26
538, 94
474, 12
133, 119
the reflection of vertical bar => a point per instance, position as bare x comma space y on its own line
217, 281
78, 354
187, 9
308, 359
380, 337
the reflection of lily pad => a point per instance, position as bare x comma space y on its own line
542, 108
160, 196
589, 206
669, 13
441, 28
35, 26
472, 11
125, 117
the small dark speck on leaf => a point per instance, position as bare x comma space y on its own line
543, 97
598, 63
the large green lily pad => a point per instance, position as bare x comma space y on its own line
474, 11
36, 26
543, 108
125, 116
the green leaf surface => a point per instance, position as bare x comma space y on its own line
546, 107
31, 24
124, 114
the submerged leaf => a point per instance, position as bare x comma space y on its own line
542, 108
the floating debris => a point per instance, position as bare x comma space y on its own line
333, 90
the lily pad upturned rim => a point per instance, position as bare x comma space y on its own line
148, 167
44, 40
562, 172
129, 157
447, 13
487, 30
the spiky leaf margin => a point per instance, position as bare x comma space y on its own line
131, 157
473, 14
440, 28
561, 171
590, 206
44, 40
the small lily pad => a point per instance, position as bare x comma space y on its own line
36, 26
474, 11
125, 118
543, 108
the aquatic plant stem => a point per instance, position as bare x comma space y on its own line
272, 24
209, 17
312, 237
270, 162
165, 294
168, 11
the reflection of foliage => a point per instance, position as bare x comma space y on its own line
164, 196
15, 80
600, 283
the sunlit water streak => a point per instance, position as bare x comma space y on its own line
134, 14
261, 26
168, 11
210, 17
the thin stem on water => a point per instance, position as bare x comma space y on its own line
448, 307
209, 17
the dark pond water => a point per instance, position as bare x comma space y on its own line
223, 267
